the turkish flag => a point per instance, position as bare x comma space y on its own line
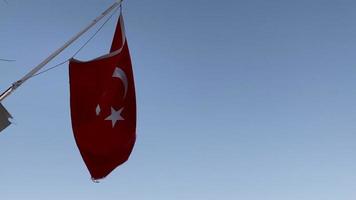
103, 107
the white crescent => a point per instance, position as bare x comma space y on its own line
119, 73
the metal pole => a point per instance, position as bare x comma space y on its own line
18, 83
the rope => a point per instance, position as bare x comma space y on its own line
81, 48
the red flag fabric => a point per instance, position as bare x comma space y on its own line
103, 107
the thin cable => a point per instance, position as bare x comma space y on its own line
6, 60
97, 31
46, 70
106, 21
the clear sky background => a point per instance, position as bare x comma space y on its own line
247, 99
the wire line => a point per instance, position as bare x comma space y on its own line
6, 60
81, 48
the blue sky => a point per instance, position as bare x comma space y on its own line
236, 100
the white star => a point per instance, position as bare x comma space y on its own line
115, 116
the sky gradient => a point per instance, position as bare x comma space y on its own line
245, 100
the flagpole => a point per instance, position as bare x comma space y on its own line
18, 83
